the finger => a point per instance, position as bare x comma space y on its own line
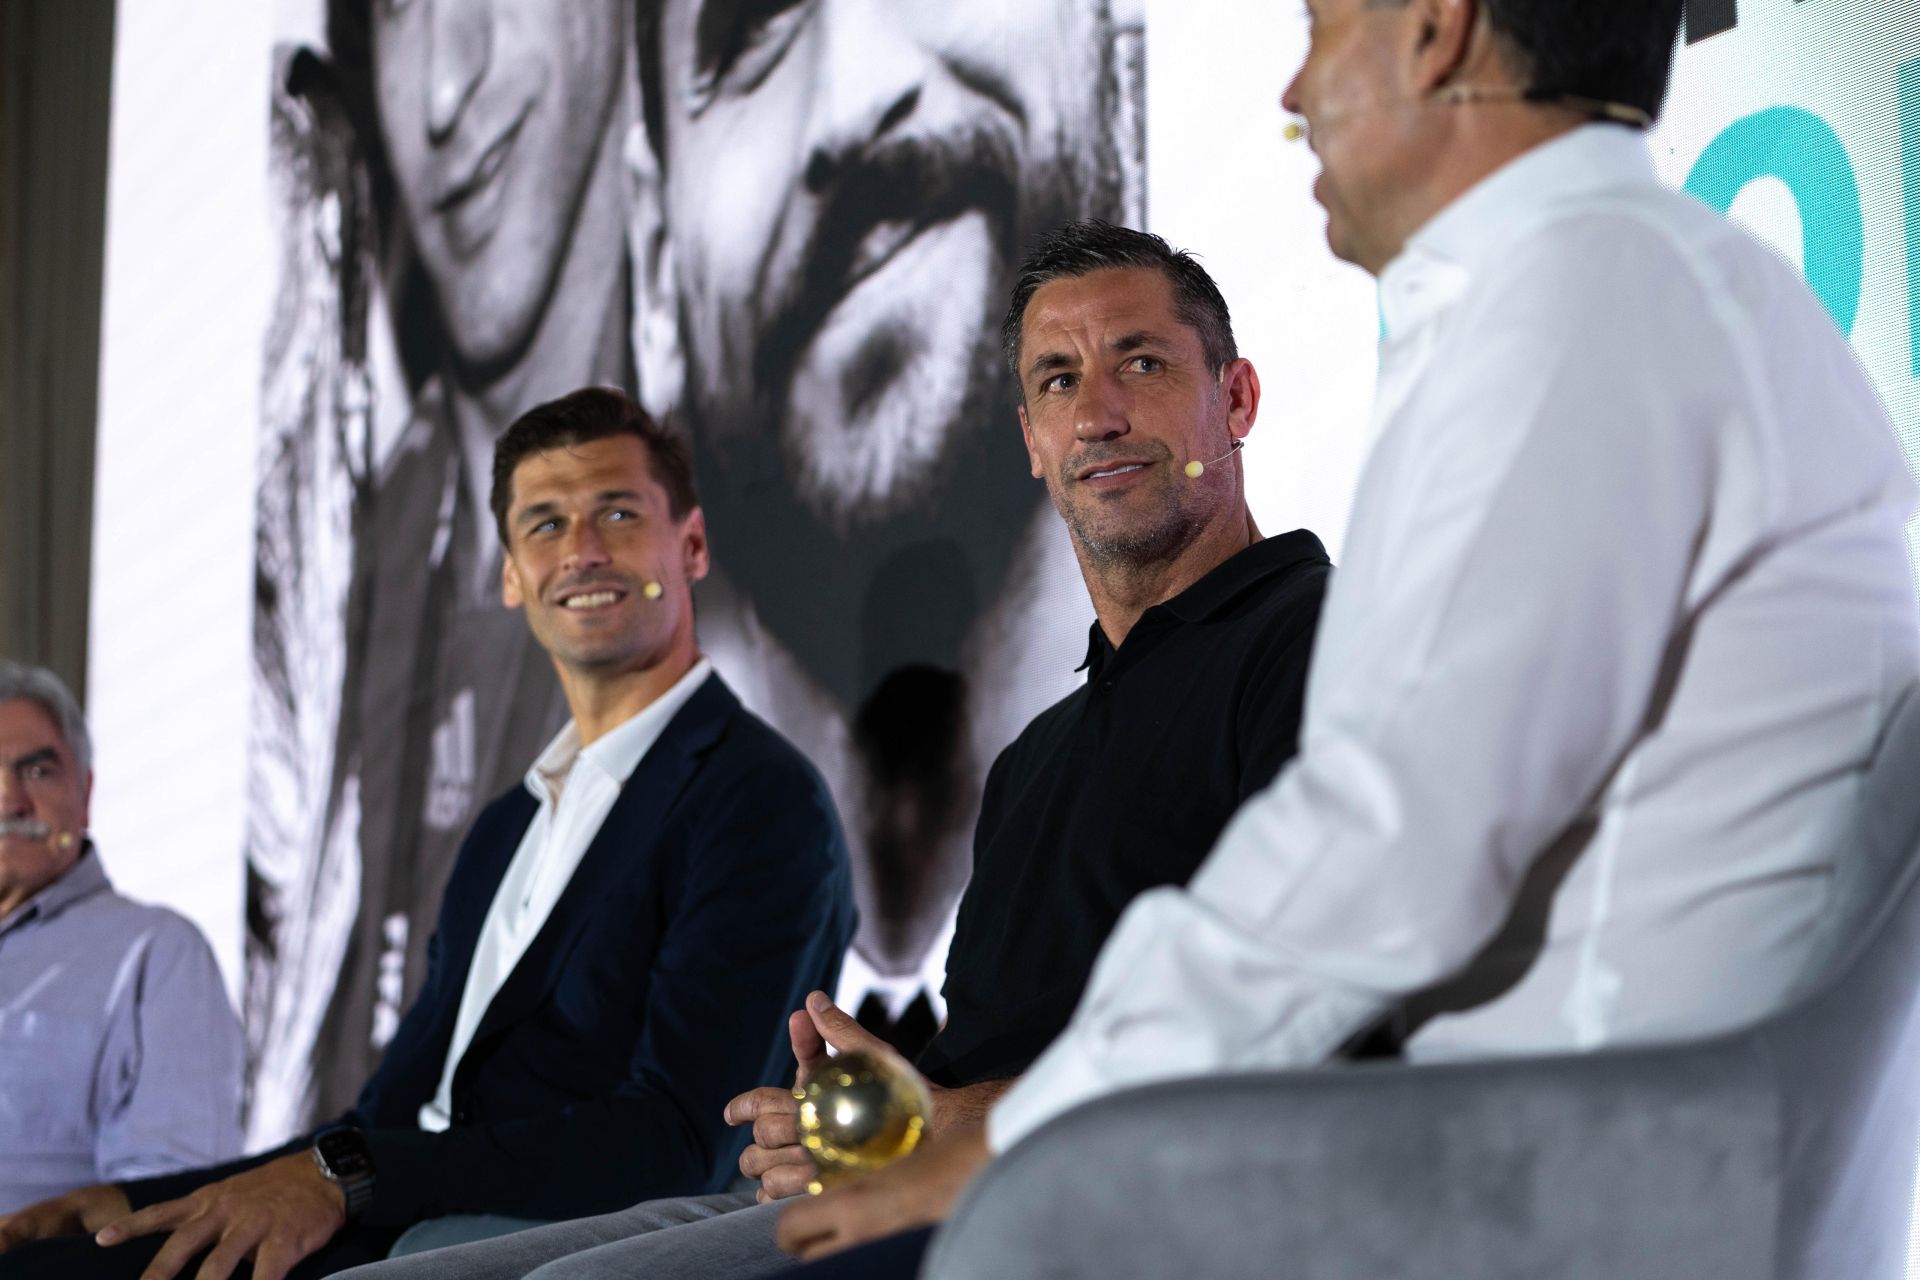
808, 1047
756, 1160
275, 1258
838, 1027
225, 1256
783, 1182
804, 1223
182, 1247
164, 1216
754, 1103
774, 1129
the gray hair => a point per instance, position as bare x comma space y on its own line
37, 684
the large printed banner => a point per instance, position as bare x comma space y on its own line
350, 241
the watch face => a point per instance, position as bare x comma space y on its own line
343, 1154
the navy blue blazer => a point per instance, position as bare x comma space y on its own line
715, 896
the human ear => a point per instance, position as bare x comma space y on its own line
1026, 435
510, 594
1444, 41
693, 542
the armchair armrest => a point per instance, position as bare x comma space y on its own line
1645, 1163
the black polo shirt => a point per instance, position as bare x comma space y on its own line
1120, 787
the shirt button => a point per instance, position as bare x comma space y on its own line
462, 1116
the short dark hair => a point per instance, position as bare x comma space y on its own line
1605, 50
592, 413
1084, 247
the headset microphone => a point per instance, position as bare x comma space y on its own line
1197, 468
652, 590
1298, 129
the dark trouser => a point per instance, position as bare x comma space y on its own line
79, 1258
894, 1258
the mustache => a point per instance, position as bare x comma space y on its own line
918, 181
24, 829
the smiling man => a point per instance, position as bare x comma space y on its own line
832, 209
617, 948
119, 1055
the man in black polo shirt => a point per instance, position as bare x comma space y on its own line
1196, 669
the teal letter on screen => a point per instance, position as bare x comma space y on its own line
1801, 150
1910, 163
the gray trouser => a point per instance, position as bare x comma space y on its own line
720, 1237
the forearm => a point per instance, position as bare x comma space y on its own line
966, 1104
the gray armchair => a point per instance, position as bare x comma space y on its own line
1785, 1151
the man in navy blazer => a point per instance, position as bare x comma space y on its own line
618, 946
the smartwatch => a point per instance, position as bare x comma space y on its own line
344, 1160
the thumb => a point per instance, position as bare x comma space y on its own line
838, 1027
809, 1050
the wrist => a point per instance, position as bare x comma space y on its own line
344, 1160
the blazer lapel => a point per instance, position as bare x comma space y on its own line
624, 843
472, 889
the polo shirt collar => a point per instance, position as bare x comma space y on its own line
84, 879
1220, 586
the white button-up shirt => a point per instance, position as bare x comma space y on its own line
576, 787
1625, 604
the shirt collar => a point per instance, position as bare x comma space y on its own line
1223, 584
1441, 256
84, 879
618, 752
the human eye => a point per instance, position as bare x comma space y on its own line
737, 43
39, 771
1146, 364
1058, 384
620, 515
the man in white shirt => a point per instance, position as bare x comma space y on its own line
1624, 606
618, 946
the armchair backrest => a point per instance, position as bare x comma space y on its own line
1848, 1054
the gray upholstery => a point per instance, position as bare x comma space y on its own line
1786, 1150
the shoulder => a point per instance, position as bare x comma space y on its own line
1609, 261
746, 745
752, 773
160, 935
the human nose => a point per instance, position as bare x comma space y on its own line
1290, 96
1099, 410
585, 549
14, 802
872, 75
459, 48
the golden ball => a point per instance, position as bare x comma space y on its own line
860, 1111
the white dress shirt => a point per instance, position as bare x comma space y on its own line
1625, 604
576, 787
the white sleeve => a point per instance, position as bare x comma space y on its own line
1518, 563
